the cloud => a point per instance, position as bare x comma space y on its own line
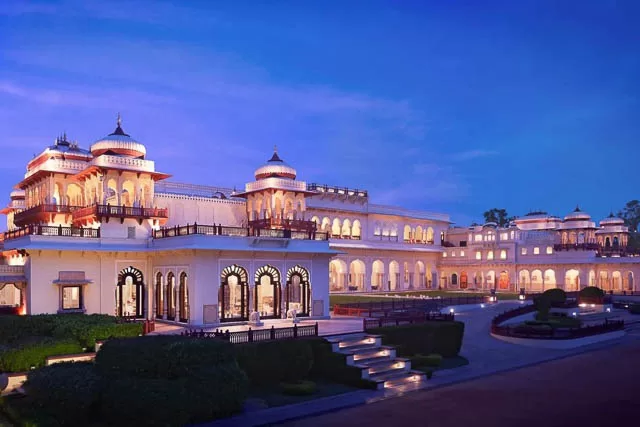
472, 154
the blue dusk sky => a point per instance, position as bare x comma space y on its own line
450, 106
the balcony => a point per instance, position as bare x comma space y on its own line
576, 247
320, 188
43, 213
220, 230
99, 213
282, 223
617, 251
52, 230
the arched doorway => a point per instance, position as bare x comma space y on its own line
130, 293
171, 296
537, 280
525, 279
183, 298
549, 279
454, 279
267, 292
233, 297
629, 285
337, 271
419, 271
298, 294
616, 281
356, 275
377, 275
394, 275
503, 281
159, 296
464, 280
572, 280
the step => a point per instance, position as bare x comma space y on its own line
390, 374
355, 343
364, 363
361, 356
345, 337
404, 378
388, 365
354, 349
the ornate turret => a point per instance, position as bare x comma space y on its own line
118, 143
275, 168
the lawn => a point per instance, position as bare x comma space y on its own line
376, 297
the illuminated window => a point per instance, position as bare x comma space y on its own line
504, 236
461, 253
549, 250
444, 254
503, 254
490, 255
513, 234
536, 250
453, 253
478, 238
71, 297
478, 255
523, 251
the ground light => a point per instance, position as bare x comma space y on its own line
451, 310
481, 305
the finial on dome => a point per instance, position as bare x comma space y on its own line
119, 120
611, 215
275, 149
577, 209
119, 130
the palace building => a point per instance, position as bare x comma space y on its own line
101, 231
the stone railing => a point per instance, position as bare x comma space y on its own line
59, 165
106, 160
286, 184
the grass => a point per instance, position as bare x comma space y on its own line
376, 297
272, 397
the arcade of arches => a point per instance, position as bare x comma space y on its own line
267, 295
539, 279
379, 275
171, 299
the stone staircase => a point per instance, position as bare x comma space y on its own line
377, 362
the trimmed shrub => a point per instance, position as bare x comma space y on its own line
331, 366
273, 362
543, 305
444, 338
161, 356
591, 293
433, 360
69, 392
300, 388
213, 392
555, 296
25, 356
88, 332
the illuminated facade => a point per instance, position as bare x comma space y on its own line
540, 251
101, 231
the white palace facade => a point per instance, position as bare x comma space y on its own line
101, 231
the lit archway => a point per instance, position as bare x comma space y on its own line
298, 291
394, 275
267, 292
183, 298
419, 271
377, 275
233, 297
616, 281
159, 296
171, 296
503, 281
572, 280
337, 271
356, 275
525, 279
549, 279
464, 280
130, 293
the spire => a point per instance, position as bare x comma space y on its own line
119, 130
275, 157
577, 209
611, 215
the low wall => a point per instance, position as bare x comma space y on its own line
14, 381
561, 344
82, 357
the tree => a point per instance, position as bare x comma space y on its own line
499, 216
631, 215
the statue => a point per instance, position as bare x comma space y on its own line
254, 319
293, 315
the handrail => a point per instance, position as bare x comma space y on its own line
257, 335
220, 230
121, 211
52, 230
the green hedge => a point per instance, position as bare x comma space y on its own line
273, 362
161, 356
444, 338
433, 360
300, 388
84, 328
23, 357
591, 292
634, 309
555, 295
210, 393
69, 392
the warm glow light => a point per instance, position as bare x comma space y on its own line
583, 305
23, 311
593, 305
521, 297
574, 314
451, 310
608, 309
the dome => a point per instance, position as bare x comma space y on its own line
612, 220
63, 146
577, 215
276, 168
119, 143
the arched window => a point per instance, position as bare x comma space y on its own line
159, 296
171, 296
454, 279
130, 293
298, 294
184, 298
